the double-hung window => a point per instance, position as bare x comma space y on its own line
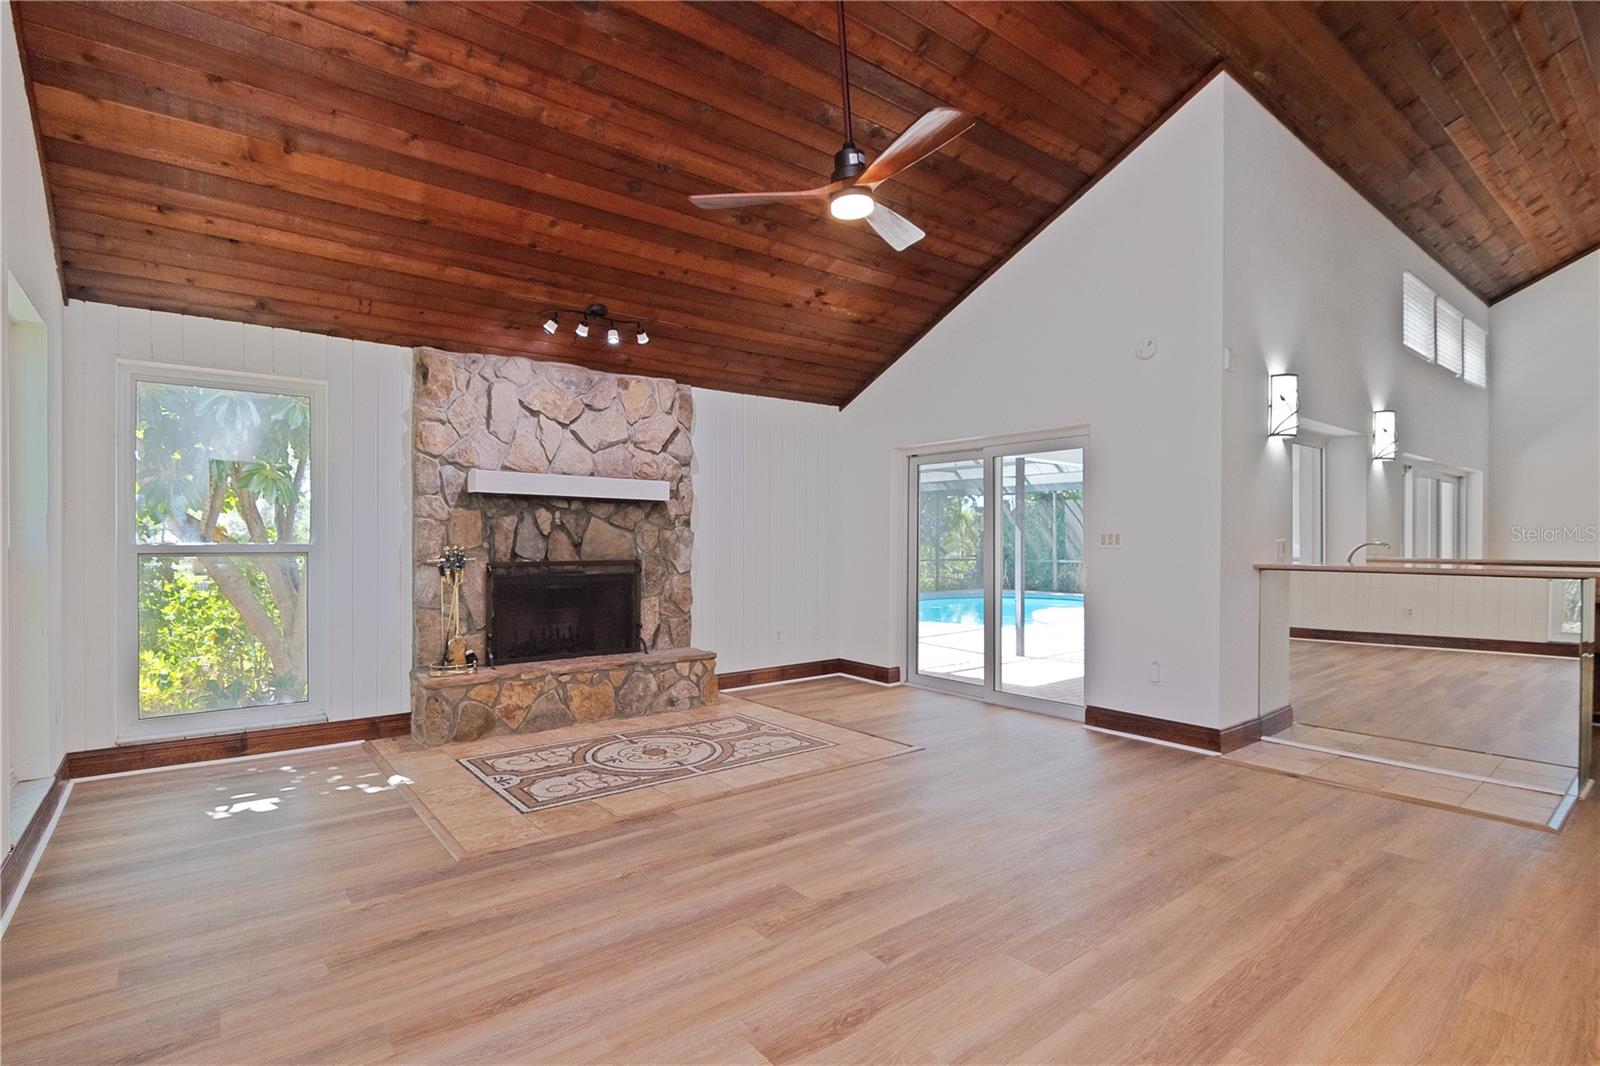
220, 519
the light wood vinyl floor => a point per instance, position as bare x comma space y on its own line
1522, 706
1022, 890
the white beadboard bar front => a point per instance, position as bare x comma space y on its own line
565, 486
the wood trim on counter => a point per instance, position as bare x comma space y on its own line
766, 675
1419, 562
1464, 568
1554, 648
154, 754
1206, 738
32, 839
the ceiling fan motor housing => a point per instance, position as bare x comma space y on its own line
848, 162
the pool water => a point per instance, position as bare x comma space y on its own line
967, 609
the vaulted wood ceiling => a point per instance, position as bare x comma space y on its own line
440, 173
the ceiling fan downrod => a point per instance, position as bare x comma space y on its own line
849, 161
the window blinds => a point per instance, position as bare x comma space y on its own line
1417, 317
1447, 333
1475, 346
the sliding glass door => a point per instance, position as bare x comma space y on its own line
951, 540
997, 589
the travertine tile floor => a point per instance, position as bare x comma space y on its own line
471, 818
1497, 797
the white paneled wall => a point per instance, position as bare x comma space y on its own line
366, 490
1427, 604
765, 481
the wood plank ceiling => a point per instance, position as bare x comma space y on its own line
440, 173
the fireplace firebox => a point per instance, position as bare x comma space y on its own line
561, 610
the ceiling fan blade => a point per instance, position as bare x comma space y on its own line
899, 231
926, 135
716, 200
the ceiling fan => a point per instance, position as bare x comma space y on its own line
849, 193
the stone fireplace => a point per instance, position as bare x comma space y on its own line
498, 413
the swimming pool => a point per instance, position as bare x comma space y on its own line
967, 608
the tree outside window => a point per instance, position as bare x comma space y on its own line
220, 468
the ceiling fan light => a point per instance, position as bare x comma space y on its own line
550, 325
583, 328
642, 337
850, 204
612, 336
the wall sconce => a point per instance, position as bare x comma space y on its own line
1283, 405
1385, 446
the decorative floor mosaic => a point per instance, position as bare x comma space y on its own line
553, 775
501, 792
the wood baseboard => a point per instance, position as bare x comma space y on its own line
1207, 738
766, 675
160, 753
32, 838
1557, 648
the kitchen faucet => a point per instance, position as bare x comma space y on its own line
1350, 560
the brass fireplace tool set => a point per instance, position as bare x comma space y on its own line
458, 658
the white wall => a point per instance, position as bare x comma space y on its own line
765, 477
1544, 382
1438, 605
26, 417
366, 490
28, 255
1313, 277
1045, 345
1221, 231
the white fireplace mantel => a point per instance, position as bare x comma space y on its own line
565, 486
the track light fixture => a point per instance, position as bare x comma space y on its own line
597, 314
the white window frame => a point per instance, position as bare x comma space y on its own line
130, 727
1463, 515
1319, 444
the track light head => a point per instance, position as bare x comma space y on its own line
612, 336
550, 325
583, 328
642, 337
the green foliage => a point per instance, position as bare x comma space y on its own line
220, 466
950, 542
195, 654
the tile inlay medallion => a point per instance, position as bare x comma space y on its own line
552, 775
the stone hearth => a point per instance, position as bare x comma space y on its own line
530, 697
489, 412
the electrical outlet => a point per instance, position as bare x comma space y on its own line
1155, 671
1227, 358
779, 637
1280, 550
